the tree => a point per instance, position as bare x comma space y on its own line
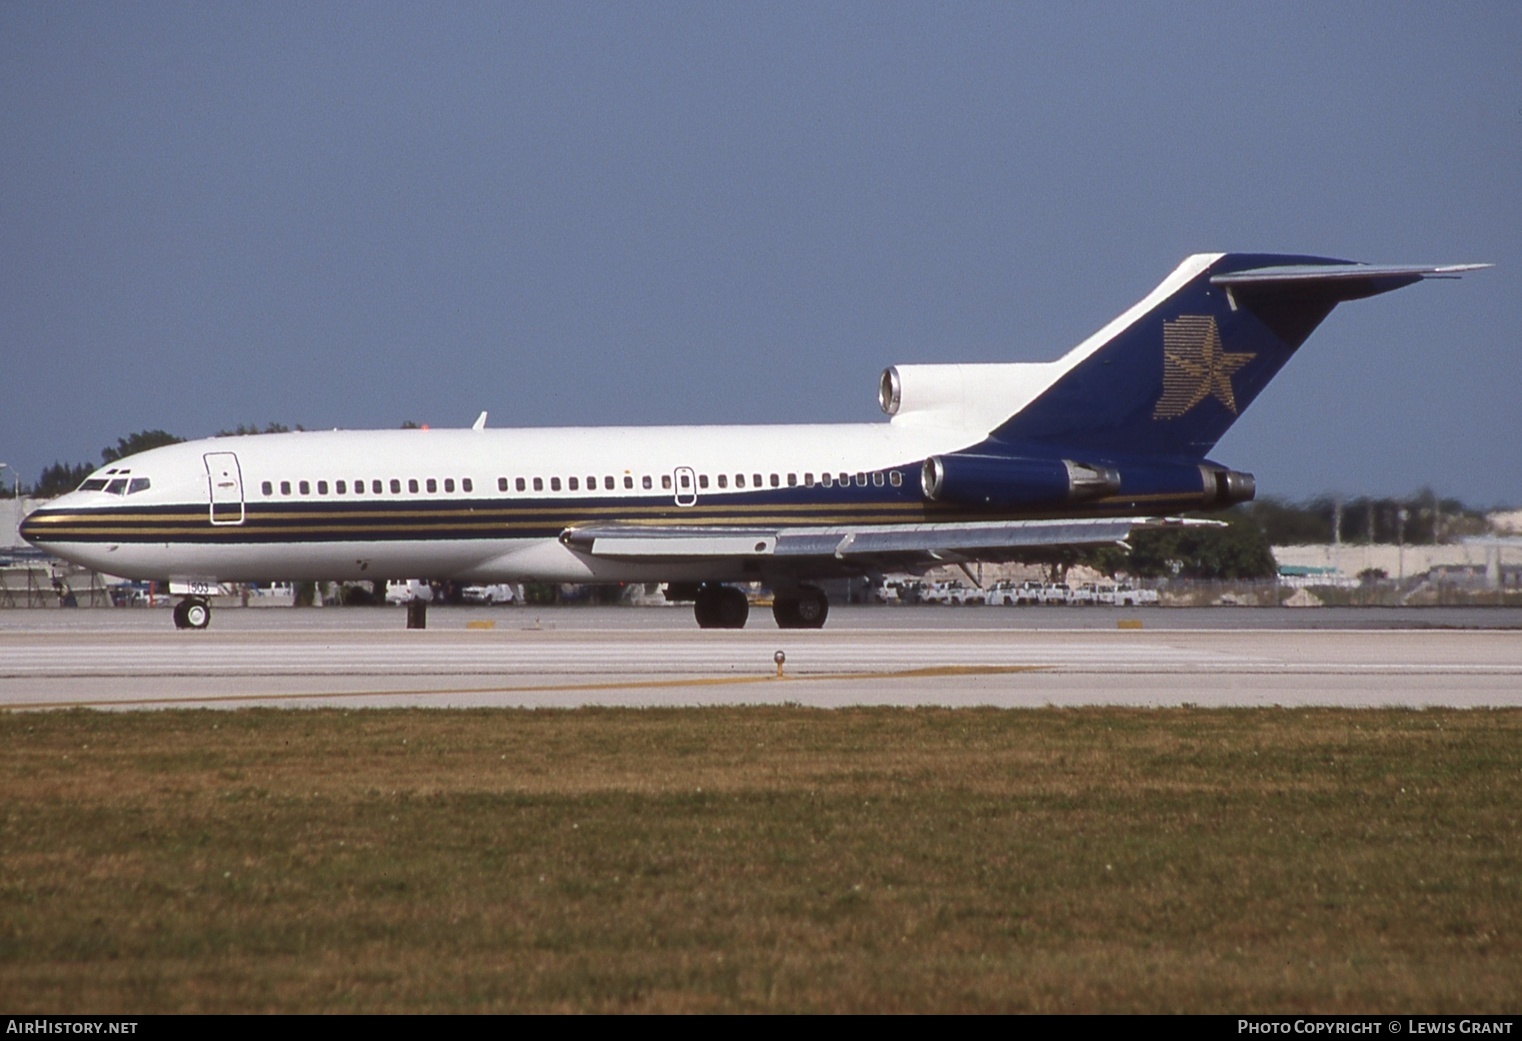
268, 428
1238, 550
60, 478
1291, 524
138, 442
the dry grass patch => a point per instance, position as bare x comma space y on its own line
762, 859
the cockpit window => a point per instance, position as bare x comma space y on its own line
139, 484
94, 484
116, 486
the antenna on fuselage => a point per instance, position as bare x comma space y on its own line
480, 423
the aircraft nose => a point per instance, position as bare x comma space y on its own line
34, 527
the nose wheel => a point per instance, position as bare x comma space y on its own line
193, 613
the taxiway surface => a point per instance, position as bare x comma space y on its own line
134, 659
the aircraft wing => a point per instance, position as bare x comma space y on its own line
835, 546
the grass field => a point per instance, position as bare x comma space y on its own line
762, 859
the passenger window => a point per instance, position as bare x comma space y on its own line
267, 488
877, 479
739, 480
861, 480
645, 482
666, 481
555, 483
412, 485
341, 487
466, 485
520, 484
702, 480
826, 480
808, 480
592, 483
538, 484
792, 480
573, 485
608, 484
322, 487
756, 483
375, 487
432, 486
396, 486
895, 478
501, 484
776, 482
723, 481
628, 481
285, 487
305, 488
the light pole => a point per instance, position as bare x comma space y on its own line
12, 538
1400, 538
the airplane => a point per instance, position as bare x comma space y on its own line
994, 461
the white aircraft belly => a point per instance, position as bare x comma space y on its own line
315, 561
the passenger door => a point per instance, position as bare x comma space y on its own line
686, 486
225, 483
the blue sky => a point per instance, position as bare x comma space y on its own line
350, 215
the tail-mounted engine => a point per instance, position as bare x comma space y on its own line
1000, 482
1008, 483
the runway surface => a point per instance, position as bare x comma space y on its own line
134, 659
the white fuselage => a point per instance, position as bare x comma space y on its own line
477, 505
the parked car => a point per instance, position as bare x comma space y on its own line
1129, 596
1055, 594
408, 591
1001, 594
496, 595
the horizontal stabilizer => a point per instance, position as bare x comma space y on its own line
1332, 272
1337, 282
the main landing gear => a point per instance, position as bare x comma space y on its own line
803, 608
725, 607
721, 607
192, 613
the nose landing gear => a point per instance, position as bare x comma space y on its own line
192, 613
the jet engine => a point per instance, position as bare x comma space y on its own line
1183, 486
1001, 482
1010, 483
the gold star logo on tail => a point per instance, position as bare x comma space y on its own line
1195, 367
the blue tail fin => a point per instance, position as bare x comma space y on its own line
1170, 376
